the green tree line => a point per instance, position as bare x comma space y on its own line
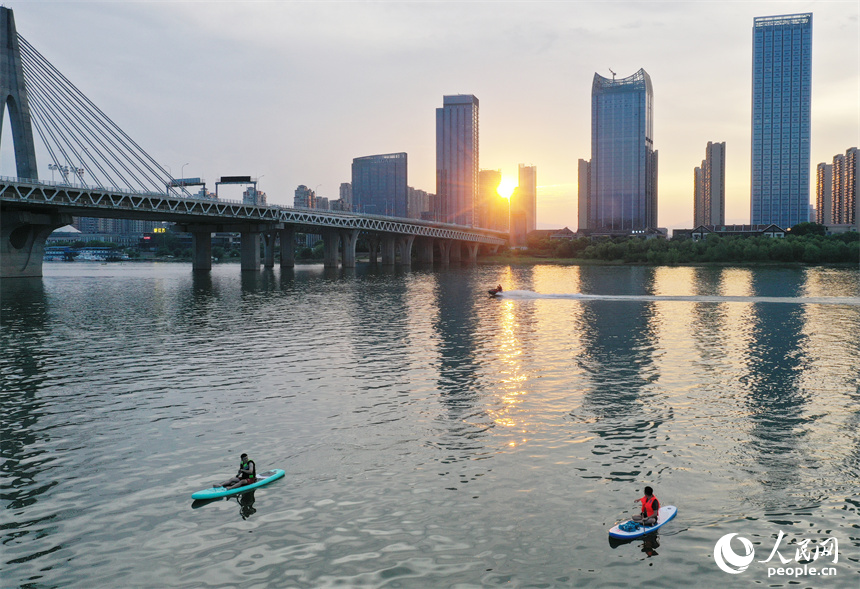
800, 245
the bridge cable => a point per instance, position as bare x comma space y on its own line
82, 119
59, 99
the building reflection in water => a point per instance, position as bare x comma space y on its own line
621, 404
775, 357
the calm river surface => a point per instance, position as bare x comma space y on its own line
432, 436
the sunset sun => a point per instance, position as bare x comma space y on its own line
506, 187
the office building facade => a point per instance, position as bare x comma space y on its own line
710, 187
488, 193
622, 195
493, 209
457, 159
781, 102
524, 199
379, 185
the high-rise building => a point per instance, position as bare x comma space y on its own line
304, 198
457, 159
623, 177
518, 223
824, 194
346, 196
582, 190
488, 194
710, 187
379, 185
699, 195
852, 189
252, 196
781, 102
524, 200
418, 203
838, 189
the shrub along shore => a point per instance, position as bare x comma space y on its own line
804, 244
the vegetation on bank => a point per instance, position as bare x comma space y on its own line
805, 243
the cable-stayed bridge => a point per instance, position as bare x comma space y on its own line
104, 173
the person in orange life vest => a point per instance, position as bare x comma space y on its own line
499, 288
650, 507
247, 474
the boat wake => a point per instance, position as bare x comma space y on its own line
527, 295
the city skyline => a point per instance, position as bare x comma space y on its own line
289, 104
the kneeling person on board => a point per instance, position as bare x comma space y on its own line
247, 473
650, 508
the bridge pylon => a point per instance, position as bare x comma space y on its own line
13, 92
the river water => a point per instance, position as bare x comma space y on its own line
432, 436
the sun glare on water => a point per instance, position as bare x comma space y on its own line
506, 187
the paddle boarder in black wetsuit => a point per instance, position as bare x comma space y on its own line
650, 507
247, 474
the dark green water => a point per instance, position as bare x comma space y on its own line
432, 436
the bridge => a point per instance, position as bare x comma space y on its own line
81, 139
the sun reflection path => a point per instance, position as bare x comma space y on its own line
524, 295
510, 353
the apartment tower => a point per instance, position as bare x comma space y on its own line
457, 159
710, 187
824, 194
781, 101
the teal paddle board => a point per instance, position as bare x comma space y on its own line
630, 529
263, 478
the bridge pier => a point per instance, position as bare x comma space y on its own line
250, 253
472, 252
348, 240
404, 248
331, 241
269, 249
287, 236
388, 245
23, 235
456, 253
201, 245
444, 251
425, 250
373, 248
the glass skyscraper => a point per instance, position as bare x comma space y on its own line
781, 100
379, 185
622, 195
457, 160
